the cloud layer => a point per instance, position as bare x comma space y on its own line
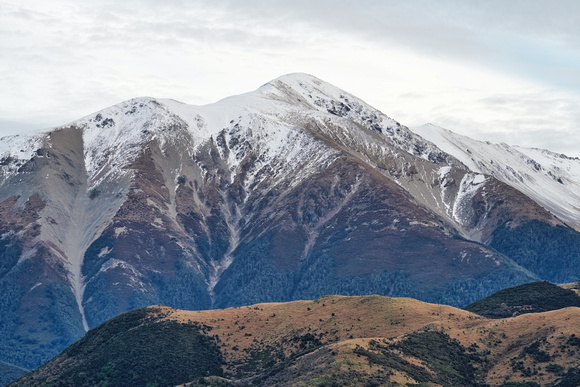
497, 70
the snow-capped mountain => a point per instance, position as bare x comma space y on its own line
293, 191
550, 179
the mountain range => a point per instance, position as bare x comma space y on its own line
293, 191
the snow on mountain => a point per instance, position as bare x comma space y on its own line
294, 190
305, 91
16, 150
550, 179
278, 122
275, 116
294, 123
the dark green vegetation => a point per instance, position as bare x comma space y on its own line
176, 283
534, 297
551, 253
570, 379
254, 278
450, 364
136, 349
535, 354
35, 326
9, 372
536, 360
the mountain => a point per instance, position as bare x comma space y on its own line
551, 180
534, 297
334, 340
9, 372
293, 191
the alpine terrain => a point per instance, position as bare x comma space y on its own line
550, 179
293, 191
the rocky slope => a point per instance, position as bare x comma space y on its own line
550, 179
293, 191
334, 340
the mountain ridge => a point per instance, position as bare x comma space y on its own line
550, 179
295, 190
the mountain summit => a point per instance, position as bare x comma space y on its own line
293, 191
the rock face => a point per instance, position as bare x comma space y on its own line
293, 191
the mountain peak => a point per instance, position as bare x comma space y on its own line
302, 81
297, 77
307, 90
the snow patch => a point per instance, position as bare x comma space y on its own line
35, 286
550, 179
16, 150
470, 184
129, 269
120, 230
443, 171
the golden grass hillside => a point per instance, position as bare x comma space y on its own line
334, 340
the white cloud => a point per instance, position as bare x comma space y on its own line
476, 68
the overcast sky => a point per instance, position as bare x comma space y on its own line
504, 70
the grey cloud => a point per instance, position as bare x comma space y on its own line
482, 33
412, 95
474, 32
174, 24
540, 120
524, 38
8, 128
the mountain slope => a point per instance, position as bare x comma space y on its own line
534, 297
9, 372
341, 340
293, 191
551, 251
551, 179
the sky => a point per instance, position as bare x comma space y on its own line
502, 71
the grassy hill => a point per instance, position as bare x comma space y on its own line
334, 340
534, 297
